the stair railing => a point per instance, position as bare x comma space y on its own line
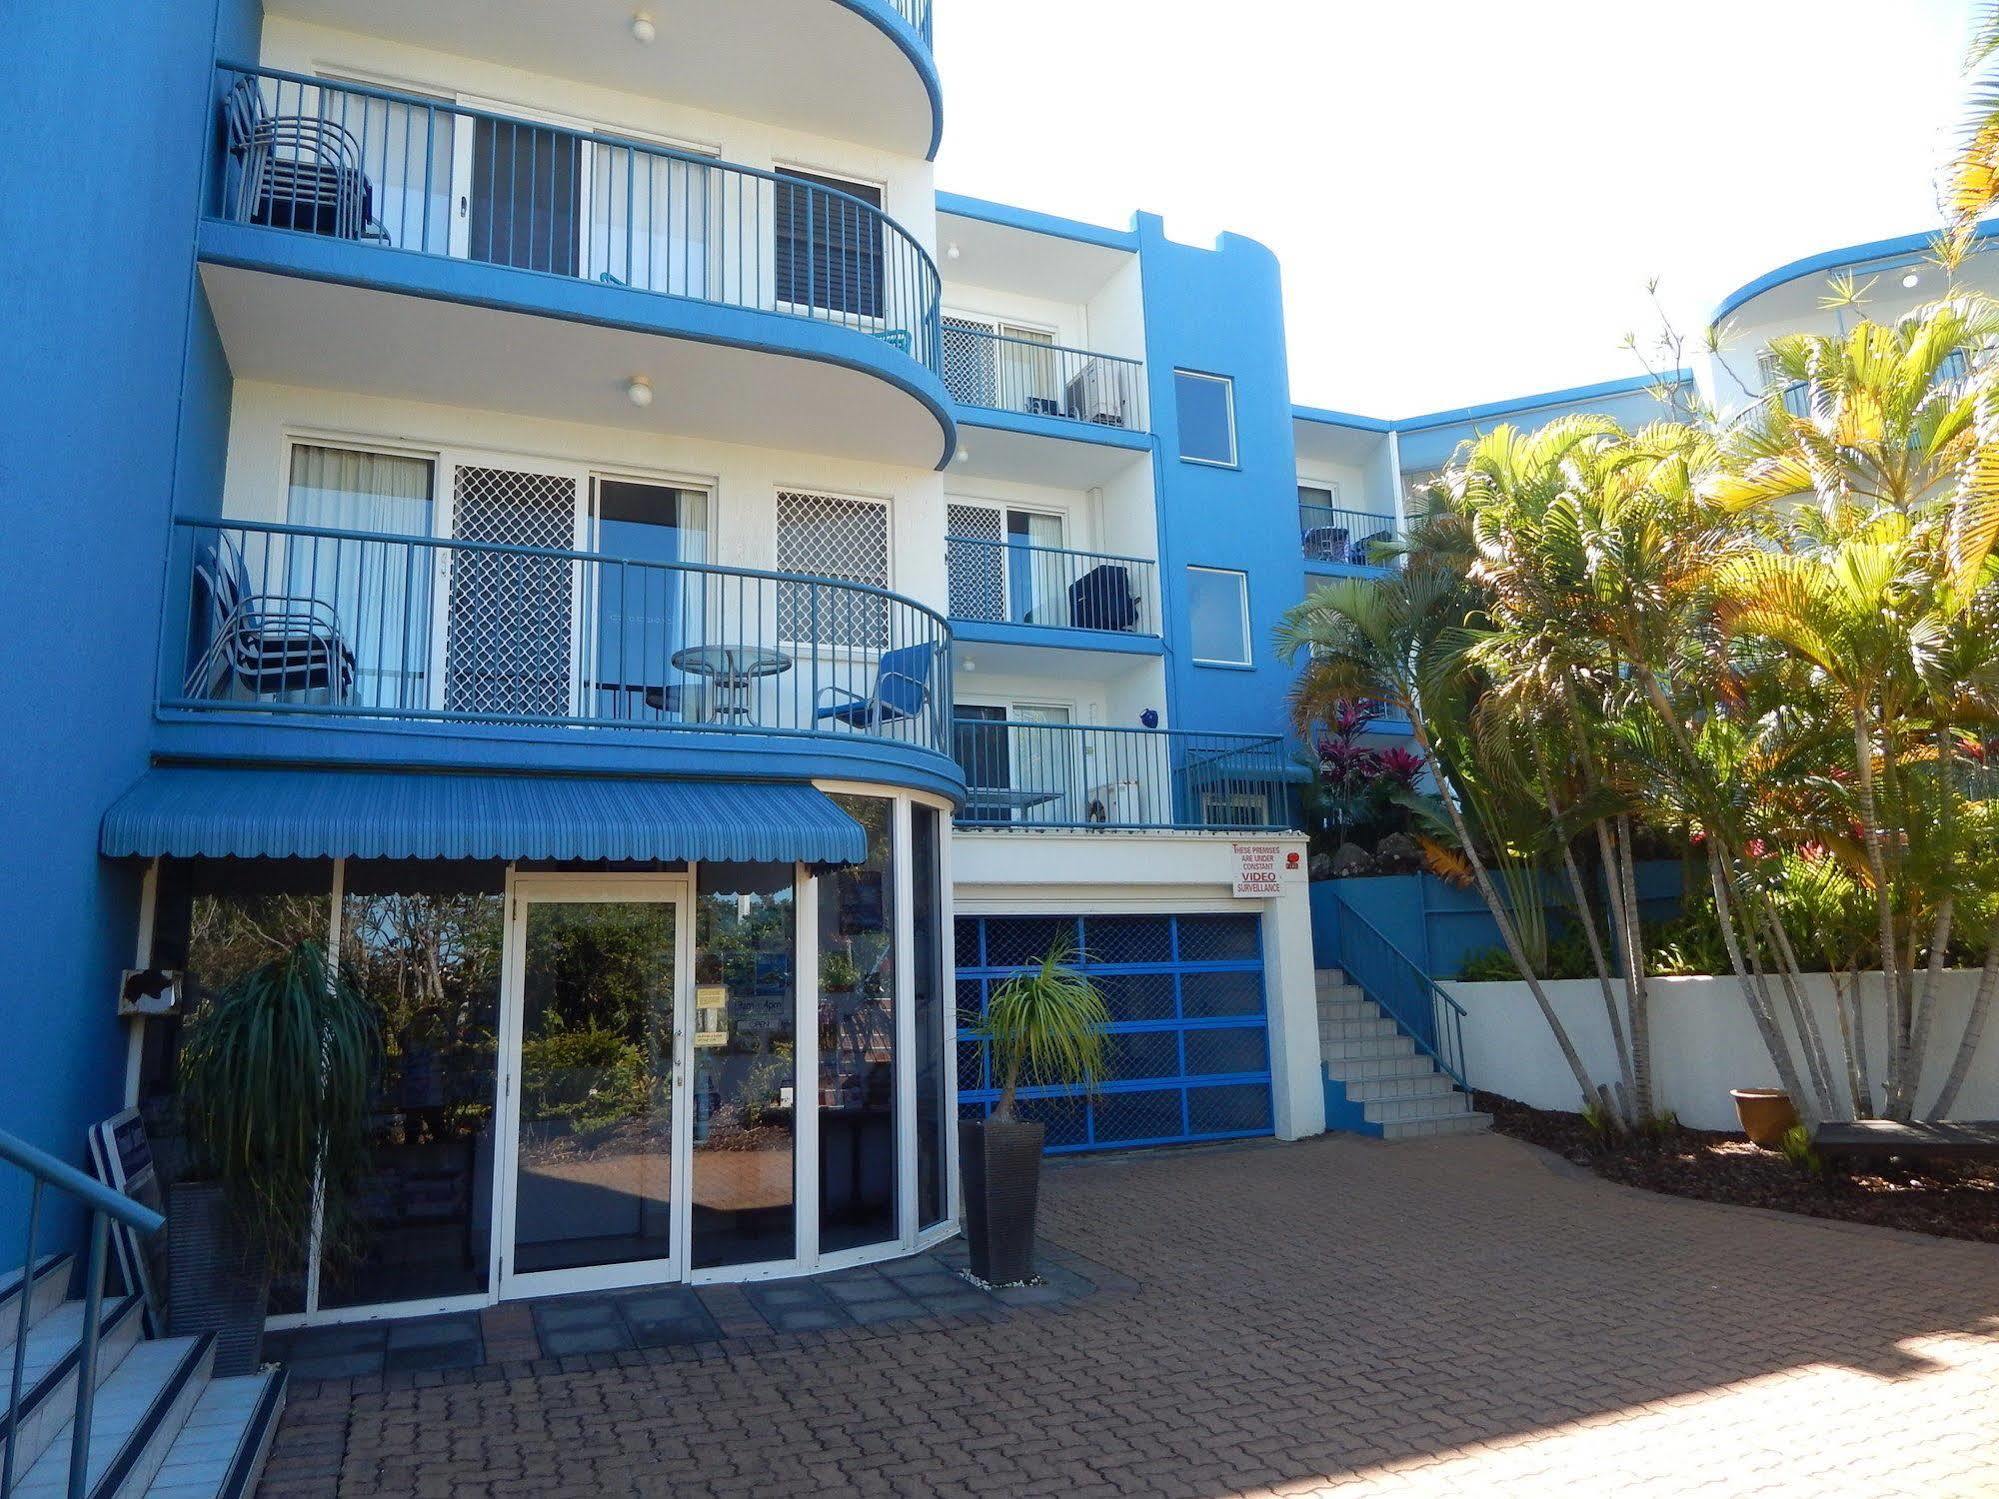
105, 1205
1404, 991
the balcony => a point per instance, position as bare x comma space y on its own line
365, 630
385, 243
1077, 776
991, 371
853, 70
1339, 539
1006, 590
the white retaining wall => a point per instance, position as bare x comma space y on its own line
1703, 1043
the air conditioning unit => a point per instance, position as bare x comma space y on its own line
1096, 394
1118, 802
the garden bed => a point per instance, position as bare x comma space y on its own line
1956, 1202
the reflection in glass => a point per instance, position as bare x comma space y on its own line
594, 1184
217, 919
745, 1043
927, 996
857, 1134
423, 943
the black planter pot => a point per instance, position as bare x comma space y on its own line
999, 1169
217, 1280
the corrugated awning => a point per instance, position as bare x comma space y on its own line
246, 812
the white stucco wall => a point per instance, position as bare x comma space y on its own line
1703, 1044
1015, 874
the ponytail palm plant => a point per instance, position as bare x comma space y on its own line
1045, 1027
275, 1075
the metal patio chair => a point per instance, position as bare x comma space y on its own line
901, 690
298, 171
266, 644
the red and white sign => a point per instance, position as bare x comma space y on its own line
1260, 869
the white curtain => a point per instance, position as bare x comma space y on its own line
652, 220
379, 588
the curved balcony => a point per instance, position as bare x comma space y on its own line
475, 640
856, 70
367, 240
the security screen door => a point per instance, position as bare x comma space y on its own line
511, 622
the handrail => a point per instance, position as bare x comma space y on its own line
1008, 580
284, 618
855, 267
1359, 947
1317, 523
93, 1193
105, 1205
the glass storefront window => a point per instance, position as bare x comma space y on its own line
933, 1124
857, 1127
423, 943
745, 1065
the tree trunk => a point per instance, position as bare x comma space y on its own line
1602, 963
1884, 905
1974, 1028
1919, 1035
1759, 1006
1846, 1005
1817, 1062
1637, 983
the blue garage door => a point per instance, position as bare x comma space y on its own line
1189, 1038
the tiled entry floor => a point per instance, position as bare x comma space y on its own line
521, 1333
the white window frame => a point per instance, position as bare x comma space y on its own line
1242, 596
1227, 382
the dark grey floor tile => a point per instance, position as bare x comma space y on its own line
859, 1289
667, 1318
928, 1283
335, 1365
958, 1303
610, 1337
320, 1342
463, 1354
807, 1318
434, 1331
575, 1311
894, 1309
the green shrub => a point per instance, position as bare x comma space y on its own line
589, 1079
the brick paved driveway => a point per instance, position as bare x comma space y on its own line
1451, 1317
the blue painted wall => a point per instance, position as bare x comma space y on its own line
116, 393
1221, 312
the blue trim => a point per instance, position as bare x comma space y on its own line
1832, 260
1066, 429
916, 47
1325, 416
999, 632
1319, 567
519, 747
1033, 222
1628, 385
543, 294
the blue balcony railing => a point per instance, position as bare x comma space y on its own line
1009, 582
917, 13
1000, 372
434, 178
291, 620
1327, 533
1057, 775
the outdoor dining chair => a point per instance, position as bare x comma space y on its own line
264, 643
901, 690
298, 171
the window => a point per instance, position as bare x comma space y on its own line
830, 537
1206, 405
828, 249
1218, 616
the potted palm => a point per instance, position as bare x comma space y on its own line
275, 1073
1043, 1027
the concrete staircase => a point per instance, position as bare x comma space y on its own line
1377, 1082
160, 1425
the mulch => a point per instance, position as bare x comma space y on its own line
1949, 1200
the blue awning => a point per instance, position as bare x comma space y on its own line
246, 812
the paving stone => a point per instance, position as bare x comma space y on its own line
668, 1318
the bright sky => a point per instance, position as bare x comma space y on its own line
1467, 197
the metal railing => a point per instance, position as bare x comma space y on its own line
1406, 994
1057, 775
917, 13
438, 178
105, 1205
1327, 533
285, 619
1000, 372
1010, 582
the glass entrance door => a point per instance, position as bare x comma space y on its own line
599, 983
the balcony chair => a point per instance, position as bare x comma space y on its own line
1361, 554
1326, 543
266, 644
1102, 599
901, 690
297, 171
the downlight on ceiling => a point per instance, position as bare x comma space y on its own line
643, 30
1911, 279
638, 390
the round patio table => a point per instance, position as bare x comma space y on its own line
731, 670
